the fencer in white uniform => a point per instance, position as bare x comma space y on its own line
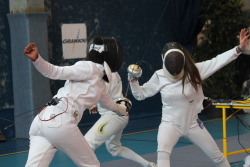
182, 98
55, 127
109, 128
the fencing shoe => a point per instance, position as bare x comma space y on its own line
247, 161
152, 164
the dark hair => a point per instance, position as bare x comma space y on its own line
190, 71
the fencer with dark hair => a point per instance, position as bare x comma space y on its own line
109, 127
180, 85
55, 127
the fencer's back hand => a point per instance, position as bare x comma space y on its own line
244, 36
121, 110
93, 109
31, 51
124, 106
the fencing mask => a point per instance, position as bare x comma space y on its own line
106, 49
173, 61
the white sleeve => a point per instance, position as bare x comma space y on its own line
148, 89
209, 67
114, 89
106, 102
79, 71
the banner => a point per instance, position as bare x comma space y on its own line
74, 41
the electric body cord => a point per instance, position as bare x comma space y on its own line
42, 108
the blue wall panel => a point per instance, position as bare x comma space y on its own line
6, 92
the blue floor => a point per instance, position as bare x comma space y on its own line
13, 152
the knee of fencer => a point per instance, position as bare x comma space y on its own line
164, 148
113, 150
163, 155
218, 158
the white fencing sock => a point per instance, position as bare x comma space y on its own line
163, 159
247, 161
129, 154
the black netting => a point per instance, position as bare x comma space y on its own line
174, 63
112, 54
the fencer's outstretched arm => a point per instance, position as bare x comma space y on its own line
80, 71
209, 67
148, 89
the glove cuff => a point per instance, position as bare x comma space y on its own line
121, 110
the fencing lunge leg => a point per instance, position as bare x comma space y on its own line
115, 148
106, 126
168, 135
203, 139
68, 138
41, 151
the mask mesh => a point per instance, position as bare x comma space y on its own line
174, 63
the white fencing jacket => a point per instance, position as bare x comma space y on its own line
84, 85
115, 91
